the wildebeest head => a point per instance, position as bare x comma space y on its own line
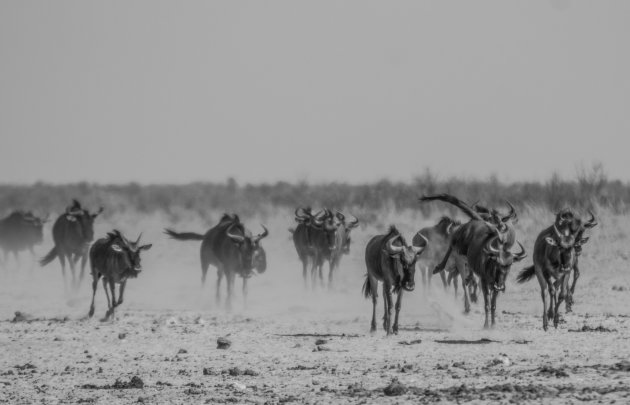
405, 256
501, 260
128, 253
251, 253
35, 226
568, 221
494, 217
328, 223
348, 226
76, 214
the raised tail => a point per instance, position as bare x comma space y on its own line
183, 235
49, 257
471, 213
367, 287
526, 274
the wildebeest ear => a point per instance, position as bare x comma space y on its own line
71, 218
116, 248
145, 247
550, 241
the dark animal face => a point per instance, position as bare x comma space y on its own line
406, 256
251, 253
35, 227
500, 261
130, 254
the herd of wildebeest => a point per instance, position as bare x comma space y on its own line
479, 252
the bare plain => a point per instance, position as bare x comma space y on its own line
295, 345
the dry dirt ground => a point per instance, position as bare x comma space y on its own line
291, 345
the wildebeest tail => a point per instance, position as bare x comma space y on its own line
183, 235
526, 274
454, 201
49, 257
367, 287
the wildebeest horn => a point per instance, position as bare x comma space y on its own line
490, 248
301, 216
262, 235
511, 215
236, 238
138, 240
419, 249
341, 217
520, 255
319, 214
354, 222
591, 222
389, 246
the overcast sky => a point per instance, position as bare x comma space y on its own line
155, 91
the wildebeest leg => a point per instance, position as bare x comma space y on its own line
95, 278
111, 313
229, 277
543, 295
552, 298
245, 291
463, 275
486, 302
387, 295
576, 275
218, 292
443, 277
84, 258
17, 259
314, 272
424, 270
493, 308
109, 304
452, 277
332, 264
398, 305
564, 283
62, 260
374, 289
120, 294
72, 260
305, 270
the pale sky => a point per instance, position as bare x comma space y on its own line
179, 91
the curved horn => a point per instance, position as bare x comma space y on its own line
424, 245
138, 240
301, 216
319, 214
520, 255
262, 235
490, 248
557, 231
591, 222
511, 215
389, 246
235, 238
353, 222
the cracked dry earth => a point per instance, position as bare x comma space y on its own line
291, 345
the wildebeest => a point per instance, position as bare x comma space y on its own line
390, 260
319, 238
232, 249
116, 259
486, 249
555, 256
72, 233
20, 231
439, 237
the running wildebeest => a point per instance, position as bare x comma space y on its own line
72, 233
439, 237
116, 259
342, 243
232, 249
486, 249
20, 231
390, 260
555, 256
